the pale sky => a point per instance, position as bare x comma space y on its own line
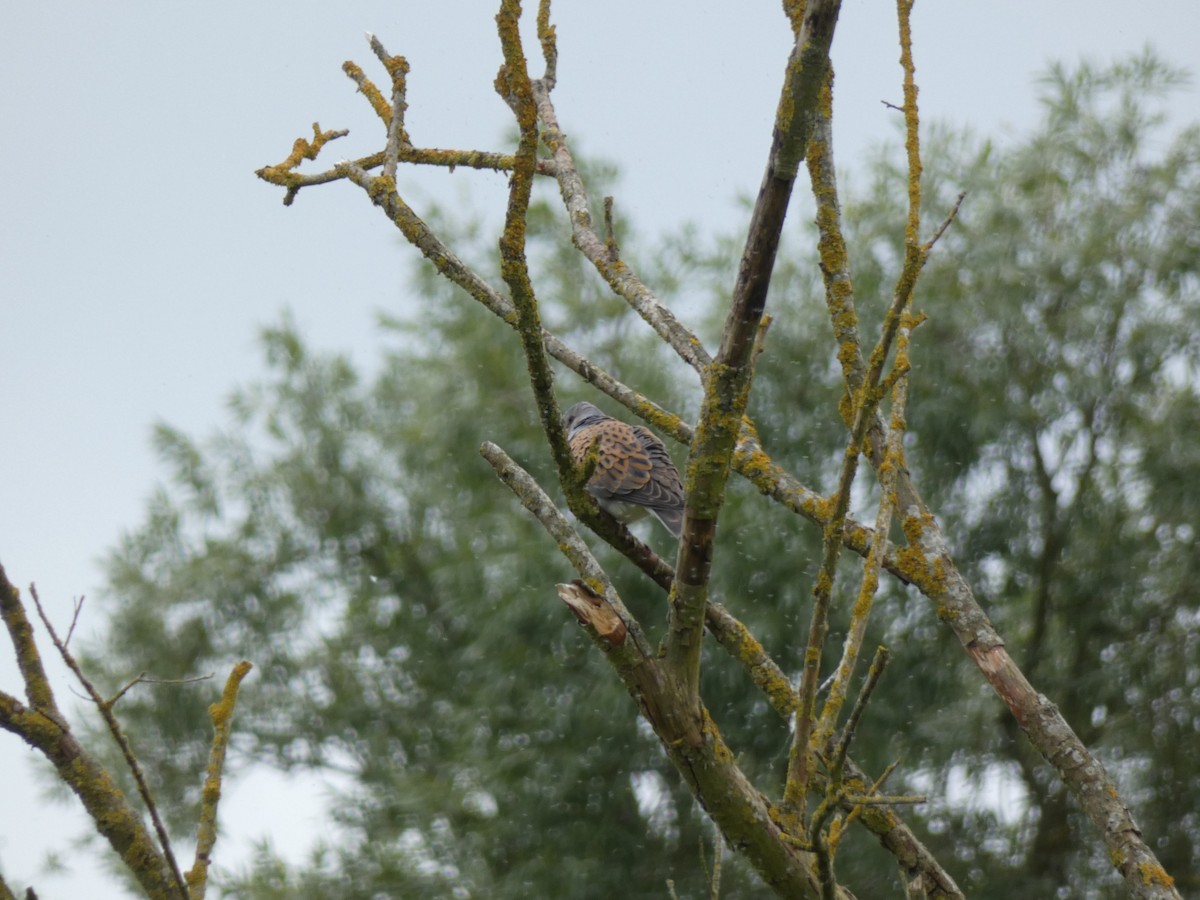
139, 255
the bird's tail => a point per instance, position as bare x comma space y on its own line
671, 518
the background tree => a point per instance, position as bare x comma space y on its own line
334, 534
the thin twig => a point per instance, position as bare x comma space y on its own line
714, 880
838, 757
142, 679
928, 245
397, 137
892, 800
114, 729
74, 620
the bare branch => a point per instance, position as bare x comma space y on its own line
515, 86
950, 217
620, 277
114, 728
74, 621
397, 137
221, 715
838, 757
727, 381
43, 726
142, 679
694, 744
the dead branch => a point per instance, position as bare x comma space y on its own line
42, 725
118, 734
221, 715
727, 381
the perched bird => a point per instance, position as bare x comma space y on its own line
634, 474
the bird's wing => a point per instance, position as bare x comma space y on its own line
664, 490
623, 468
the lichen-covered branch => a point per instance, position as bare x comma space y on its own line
42, 725
926, 561
599, 252
114, 728
923, 872
693, 743
514, 85
536, 501
796, 788
727, 379
861, 611
221, 715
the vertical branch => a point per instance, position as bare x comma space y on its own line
397, 137
866, 400
547, 38
866, 403
514, 85
221, 715
912, 141
727, 379
861, 611
831, 250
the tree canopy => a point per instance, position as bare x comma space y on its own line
343, 533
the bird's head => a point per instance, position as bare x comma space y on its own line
582, 413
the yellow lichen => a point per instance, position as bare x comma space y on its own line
1153, 873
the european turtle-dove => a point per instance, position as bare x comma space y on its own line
634, 474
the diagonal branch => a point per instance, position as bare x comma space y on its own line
727, 380
620, 277
927, 563
693, 743
42, 726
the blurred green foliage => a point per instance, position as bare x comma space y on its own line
343, 534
